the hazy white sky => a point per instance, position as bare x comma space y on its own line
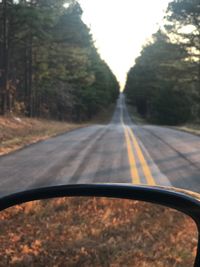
120, 28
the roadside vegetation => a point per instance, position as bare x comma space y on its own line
137, 118
52, 78
49, 65
17, 132
62, 232
164, 83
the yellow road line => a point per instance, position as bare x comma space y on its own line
133, 168
145, 167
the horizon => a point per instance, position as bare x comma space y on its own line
120, 41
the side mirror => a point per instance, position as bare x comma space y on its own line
99, 225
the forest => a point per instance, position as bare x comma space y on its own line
49, 65
164, 83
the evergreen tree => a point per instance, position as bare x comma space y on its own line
155, 82
49, 65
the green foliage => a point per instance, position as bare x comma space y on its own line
164, 84
172, 107
183, 23
53, 63
156, 85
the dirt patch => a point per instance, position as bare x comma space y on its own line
82, 231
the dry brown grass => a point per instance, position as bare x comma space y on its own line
96, 232
18, 132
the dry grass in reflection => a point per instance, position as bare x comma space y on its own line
96, 232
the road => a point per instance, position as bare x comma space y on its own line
120, 152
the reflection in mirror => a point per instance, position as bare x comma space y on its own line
83, 231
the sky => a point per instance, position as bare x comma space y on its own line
121, 28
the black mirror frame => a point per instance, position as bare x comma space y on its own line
157, 195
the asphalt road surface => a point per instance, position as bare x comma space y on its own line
120, 152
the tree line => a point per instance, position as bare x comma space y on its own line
164, 83
49, 66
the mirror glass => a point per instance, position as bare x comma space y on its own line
85, 231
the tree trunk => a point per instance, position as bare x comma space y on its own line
29, 74
5, 59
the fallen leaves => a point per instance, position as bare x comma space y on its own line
96, 232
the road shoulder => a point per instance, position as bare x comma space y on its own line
16, 133
19, 132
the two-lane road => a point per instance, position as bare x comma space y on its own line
120, 152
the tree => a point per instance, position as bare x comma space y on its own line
156, 81
5, 84
183, 23
50, 62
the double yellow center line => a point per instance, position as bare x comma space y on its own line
132, 145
